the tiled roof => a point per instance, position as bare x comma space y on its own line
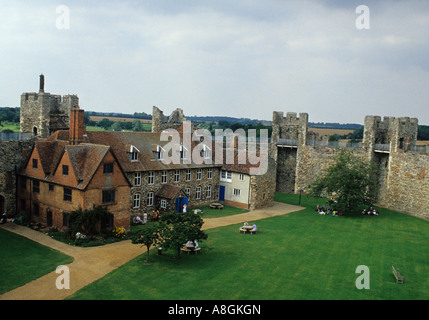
168, 191
85, 159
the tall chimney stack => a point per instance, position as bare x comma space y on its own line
42, 83
77, 128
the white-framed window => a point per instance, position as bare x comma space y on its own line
225, 176
209, 173
188, 175
138, 179
198, 193
188, 192
163, 203
159, 152
176, 175
209, 192
164, 177
133, 153
183, 153
136, 200
199, 174
150, 198
237, 192
151, 177
205, 152
241, 177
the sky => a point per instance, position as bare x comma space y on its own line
238, 58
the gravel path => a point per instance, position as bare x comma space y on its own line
90, 264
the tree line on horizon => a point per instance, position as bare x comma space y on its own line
11, 115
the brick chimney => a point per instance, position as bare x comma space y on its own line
77, 128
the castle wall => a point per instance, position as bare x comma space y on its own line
407, 188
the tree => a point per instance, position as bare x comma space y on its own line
137, 126
105, 123
88, 222
179, 228
352, 180
147, 236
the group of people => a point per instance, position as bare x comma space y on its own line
371, 212
246, 225
328, 211
5, 218
192, 244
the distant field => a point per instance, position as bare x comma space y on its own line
98, 118
330, 132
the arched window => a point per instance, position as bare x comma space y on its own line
35, 131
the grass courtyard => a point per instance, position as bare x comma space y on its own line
23, 260
301, 255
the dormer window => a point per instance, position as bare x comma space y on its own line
183, 153
205, 152
159, 152
133, 153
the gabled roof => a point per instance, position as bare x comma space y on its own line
85, 159
49, 153
169, 191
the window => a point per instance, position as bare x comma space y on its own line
23, 182
164, 177
188, 174
51, 187
36, 186
65, 170
136, 200
159, 153
108, 168
34, 163
198, 193
183, 152
67, 195
65, 219
188, 192
237, 192
210, 173
163, 204
151, 177
176, 175
209, 192
108, 196
225, 176
36, 209
199, 174
137, 178
150, 199
241, 177
205, 152
133, 153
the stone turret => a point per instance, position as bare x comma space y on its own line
159, 122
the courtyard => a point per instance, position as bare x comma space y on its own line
300, 255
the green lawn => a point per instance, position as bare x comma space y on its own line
23, 260
6, 125
301, 255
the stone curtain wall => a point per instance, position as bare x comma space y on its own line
12, 154
407, 188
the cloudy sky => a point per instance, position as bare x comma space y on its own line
240, 58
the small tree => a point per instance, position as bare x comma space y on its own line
178, 228
147, 236
353, 181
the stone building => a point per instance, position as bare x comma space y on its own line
43, 113
391, 143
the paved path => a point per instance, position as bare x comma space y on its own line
90, 264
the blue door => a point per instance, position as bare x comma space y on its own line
180, 202
221, 193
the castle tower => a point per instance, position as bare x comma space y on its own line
43, 113
159, 123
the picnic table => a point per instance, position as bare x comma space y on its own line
245, 229
188, 249
216, 205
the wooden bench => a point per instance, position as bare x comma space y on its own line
253, 231
398, 276
242, 230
